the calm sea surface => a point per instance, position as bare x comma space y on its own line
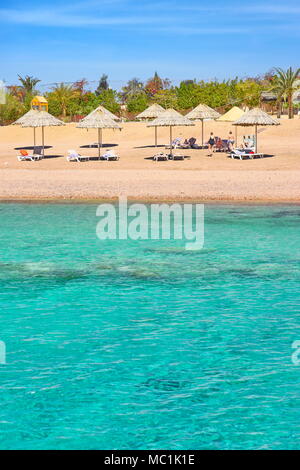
144, 345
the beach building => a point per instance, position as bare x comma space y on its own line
39, 103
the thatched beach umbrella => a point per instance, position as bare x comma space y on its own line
201, 112
40, 119
231, 116
170, 118
105, 111
152, 112
98, 120
256, 117
213, 112
23, 119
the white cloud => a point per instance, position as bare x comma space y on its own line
169, 17
50, 18
203, 31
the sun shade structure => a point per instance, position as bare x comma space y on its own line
98, 120
232, 115
170, 118
105, 111
41, 119
201, 112
152, 112
256, 117
23, 119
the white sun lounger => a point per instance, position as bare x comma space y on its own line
35, 156
244, 154
160, 156
74, 156
175, 143
176, 156
32, 158
110, 155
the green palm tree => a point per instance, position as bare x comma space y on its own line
285, 85
63, 94
28, 83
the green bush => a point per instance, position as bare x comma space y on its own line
11, 110
108, 99
137, 103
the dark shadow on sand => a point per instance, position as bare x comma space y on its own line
149, 146
186, 157
52, 156
95, 146
32, 147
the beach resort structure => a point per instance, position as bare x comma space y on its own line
232, 115
41, 119
200, 113
39, 103
256, 117
98, 119
152, 112
105, 111
170, 118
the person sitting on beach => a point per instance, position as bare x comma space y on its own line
193, 144
176, 142
248, 143
185, 144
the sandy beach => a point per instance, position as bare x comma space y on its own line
274, 179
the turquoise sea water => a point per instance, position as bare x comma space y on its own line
142, 344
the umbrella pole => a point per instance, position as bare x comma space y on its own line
236, 137
202, 132
43, 141
171, 150
256, 139
34, 141
99, 143
155, 136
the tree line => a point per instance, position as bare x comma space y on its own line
67, 101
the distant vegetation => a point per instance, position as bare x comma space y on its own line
76, 100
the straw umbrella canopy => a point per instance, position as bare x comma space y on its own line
231, 116
170, 118
256, 117
104, 110
98, 120
213, 112
201, 112
40, 119
23, 119
152, 112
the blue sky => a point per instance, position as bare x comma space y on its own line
65, 41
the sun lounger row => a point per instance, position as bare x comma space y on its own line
187, 144
72, 156
110, 155
164, 157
